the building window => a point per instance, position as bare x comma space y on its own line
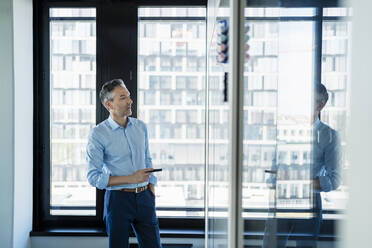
179, 112
73, 73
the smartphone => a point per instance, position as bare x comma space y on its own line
154, 170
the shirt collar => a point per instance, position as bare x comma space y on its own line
316, 123
114, 125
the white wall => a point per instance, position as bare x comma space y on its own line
358, 229
6, 124
16, 122
23, 118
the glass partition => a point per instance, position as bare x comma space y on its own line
336, 75
294, 124
295, 97
218, 124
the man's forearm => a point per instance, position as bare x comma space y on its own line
120, 180
139, 176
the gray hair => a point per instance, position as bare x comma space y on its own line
321, 93
106, 93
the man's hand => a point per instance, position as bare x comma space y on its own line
316, 184
152, 188
141, 176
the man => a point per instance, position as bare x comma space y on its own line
325, 174
119, 161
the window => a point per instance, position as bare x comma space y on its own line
67, 104
263, 93
72, 58
181, 103
170, 98
336, 77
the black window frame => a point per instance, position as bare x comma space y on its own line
109, 13
109, 65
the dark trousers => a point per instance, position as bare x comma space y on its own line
277, 231
126, 210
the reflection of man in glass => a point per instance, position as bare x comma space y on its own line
119, 161
325, 176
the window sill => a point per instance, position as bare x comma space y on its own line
69, 232
100, 232
164, 233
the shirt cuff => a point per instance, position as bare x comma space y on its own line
153, 180
102, 182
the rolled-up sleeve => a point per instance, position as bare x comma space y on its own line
330, 177
153, 179
97, 176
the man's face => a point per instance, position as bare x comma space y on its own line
318, 104
121, 105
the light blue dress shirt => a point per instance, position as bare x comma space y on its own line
113, 150
327, 156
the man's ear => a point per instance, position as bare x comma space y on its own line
320, 106
108, 105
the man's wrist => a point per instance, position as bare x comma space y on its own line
132, 179
128, 179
